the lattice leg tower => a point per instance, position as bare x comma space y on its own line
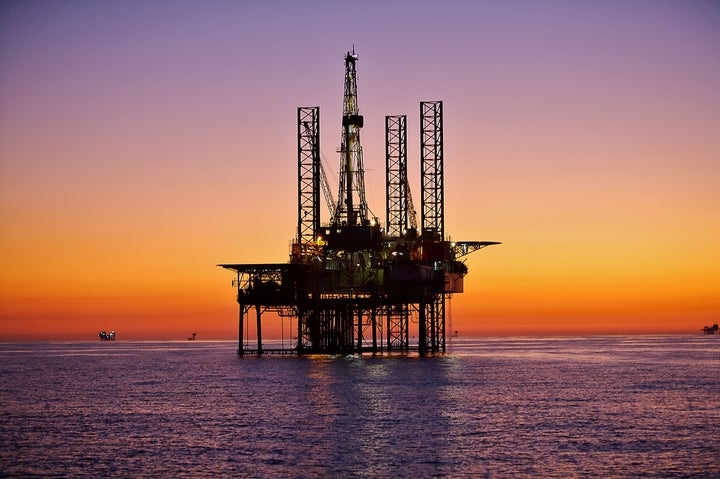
431, 150
308, 123
396, 189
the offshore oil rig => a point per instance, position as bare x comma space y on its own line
352, 286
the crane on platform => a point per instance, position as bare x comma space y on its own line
412, 214
324, 183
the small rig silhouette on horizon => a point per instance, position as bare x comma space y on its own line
352, 286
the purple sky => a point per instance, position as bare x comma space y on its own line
155, 139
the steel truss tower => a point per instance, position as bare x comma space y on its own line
431, 151
350, 285
400, 217
352, 208
396, 185
432, 313
308, 121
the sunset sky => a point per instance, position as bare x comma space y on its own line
142, 143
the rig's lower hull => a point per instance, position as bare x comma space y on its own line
405, 316
355, 325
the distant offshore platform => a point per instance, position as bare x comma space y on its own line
351, 285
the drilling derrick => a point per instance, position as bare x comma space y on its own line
352, 207
352, 286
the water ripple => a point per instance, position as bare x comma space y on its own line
507, 407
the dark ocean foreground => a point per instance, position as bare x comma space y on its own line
612, 406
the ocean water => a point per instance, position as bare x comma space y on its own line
615, 406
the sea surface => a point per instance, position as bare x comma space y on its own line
600, 406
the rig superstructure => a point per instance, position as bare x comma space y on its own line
352, 286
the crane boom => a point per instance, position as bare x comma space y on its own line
412, 215
324, 181
326, 192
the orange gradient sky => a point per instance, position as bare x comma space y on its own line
142, 143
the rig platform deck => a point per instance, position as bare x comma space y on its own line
351, 285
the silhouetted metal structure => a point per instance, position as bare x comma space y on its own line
350, 285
